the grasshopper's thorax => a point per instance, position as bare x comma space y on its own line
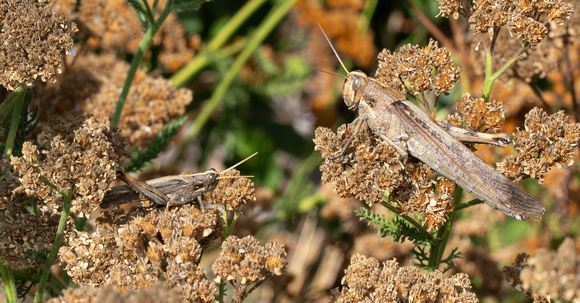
354, 88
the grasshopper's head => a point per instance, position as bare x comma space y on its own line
210, 180
354, 88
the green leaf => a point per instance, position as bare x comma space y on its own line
161, 141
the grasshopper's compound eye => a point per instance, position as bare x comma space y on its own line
211, 181
354, 88
357, 83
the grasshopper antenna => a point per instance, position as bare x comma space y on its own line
334, 50
232, 167
324, 71
234, 177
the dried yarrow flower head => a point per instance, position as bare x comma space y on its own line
138, 249
414, 70
111, 25
547, 141
81, 154
24, 233
527, 20
245, 264
34, 40
478, 115
367, 280
548, 274
158, 293
231, 191
152, 103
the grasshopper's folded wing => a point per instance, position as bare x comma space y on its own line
126, 194
435, 147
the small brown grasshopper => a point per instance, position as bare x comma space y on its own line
411, 131
166, 191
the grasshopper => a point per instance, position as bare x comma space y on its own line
166, 191
411, 131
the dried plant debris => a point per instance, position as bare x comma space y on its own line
151, 104
526, 20
549, 274
370, 167
136, 251
547, 141
34, 39
367, 280
157, 293
82, 154
245, 264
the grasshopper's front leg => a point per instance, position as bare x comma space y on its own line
358, 123
150, 192
400, 145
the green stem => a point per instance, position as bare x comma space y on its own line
228, 229
225, 33
20, 92
9, 283
438, 247
155, 25
13, 95
366, 15
201, 60
466, 205
273, 18
67, 197
489, 77
410, 220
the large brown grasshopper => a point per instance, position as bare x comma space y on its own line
411, 131
166, 191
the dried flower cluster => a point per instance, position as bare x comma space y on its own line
157, 293
373, 168
25, 233
34, 39
136, 250
232, 192
549, 274
83, 154
151, 104
110, 25
414, 70
531, 65
547, 141
244, 263
478, 115
366, 280
527, 20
